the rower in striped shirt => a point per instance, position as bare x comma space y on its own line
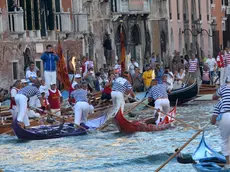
221, 113
159, 94
193, 67
22, 98
120, 87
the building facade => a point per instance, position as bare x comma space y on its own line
190, 27
220, 10
27, 26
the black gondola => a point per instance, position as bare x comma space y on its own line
184, 94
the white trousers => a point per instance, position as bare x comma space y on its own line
34, 101
14, 111
50, 77
81, 110
222, 75
55, 111
225, 133
118, 101
163, 105
21, 101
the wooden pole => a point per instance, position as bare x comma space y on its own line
178, 151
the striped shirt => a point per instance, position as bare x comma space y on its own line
122, 85
219, 109
158, 91
224, 93
30, 91
227, 58
193, 65
79, 95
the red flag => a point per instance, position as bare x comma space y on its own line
122, 39
62, 72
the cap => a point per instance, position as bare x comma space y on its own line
24, 81
53, 83
77, 76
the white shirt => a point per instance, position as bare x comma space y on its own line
31, 74
180, 76
211, 63
131, 67
13, 92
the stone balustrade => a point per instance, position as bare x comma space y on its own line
16, 21
63, 21
131, 6
81, 22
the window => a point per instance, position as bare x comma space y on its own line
199, 6
207, 7
170, 10
15, 70
38, 64
178, 9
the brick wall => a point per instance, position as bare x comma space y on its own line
14, 51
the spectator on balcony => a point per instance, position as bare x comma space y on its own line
49, 59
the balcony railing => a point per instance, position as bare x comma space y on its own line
63, 22
16, 21
81, 22
1, 24
131, 6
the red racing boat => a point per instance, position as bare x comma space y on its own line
126, 126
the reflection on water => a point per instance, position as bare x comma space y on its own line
109, 151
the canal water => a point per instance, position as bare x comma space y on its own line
110, 151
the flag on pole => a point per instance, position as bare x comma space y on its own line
122, 39
62, 72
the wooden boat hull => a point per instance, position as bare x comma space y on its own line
126, 126
183, 94
55, 131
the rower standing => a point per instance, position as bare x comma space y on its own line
22, 98
120, 87
222, 114
81, 107
54, 98
13, 92
159, 94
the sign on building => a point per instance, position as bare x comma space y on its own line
136, 5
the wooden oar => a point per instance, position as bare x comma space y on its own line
111, 119
57, 116
178, 151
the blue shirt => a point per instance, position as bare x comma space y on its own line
122, 85
49, 61
158, 91
80, 95
30, 91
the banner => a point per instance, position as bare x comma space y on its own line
62, 72
123, 54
